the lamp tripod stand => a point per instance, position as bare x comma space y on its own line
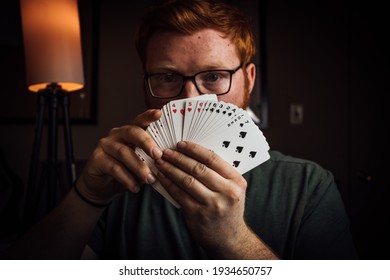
54, 69
47, 188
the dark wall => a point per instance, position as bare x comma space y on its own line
307, 45
330, 56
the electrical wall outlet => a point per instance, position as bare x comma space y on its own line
296, 114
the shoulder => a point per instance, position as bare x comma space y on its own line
287, 176
287, 166
278, 158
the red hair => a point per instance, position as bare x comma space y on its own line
190, 16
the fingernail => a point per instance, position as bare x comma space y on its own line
181, 144
150, 179
168, 152
156, 153
159, 162
136, 189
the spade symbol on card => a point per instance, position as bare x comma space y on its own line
242, 134
220, 127
252, 154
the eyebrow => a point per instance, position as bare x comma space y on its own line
171, 68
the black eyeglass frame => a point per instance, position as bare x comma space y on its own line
192, 78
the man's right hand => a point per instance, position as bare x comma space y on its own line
114, 160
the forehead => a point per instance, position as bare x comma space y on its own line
204, 49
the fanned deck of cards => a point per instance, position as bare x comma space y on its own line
221, 127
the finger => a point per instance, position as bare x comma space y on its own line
105, 165
144, 140
146, 118
125, 156
209, 158
195, 169
135, 135
178, 194
140, 123
180, 180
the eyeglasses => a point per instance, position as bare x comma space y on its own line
170, 85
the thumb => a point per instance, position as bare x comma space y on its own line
146, 118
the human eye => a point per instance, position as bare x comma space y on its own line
166, 78
214, 76
170, 78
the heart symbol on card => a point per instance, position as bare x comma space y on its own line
220, 127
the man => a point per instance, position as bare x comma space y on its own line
285, 208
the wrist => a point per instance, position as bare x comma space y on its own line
244, 245
82, 195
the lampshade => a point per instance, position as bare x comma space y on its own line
51, 35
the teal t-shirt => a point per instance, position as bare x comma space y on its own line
293, 205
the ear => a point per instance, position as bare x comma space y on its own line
251, 75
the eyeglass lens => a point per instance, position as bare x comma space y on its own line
208, 82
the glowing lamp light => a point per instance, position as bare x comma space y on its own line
51, 35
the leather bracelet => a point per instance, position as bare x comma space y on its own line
99, 205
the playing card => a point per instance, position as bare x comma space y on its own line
155, 134
218, 115
221, 127
244, 146
198, 119
156, 185
176, 109
178, 112
167, 126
